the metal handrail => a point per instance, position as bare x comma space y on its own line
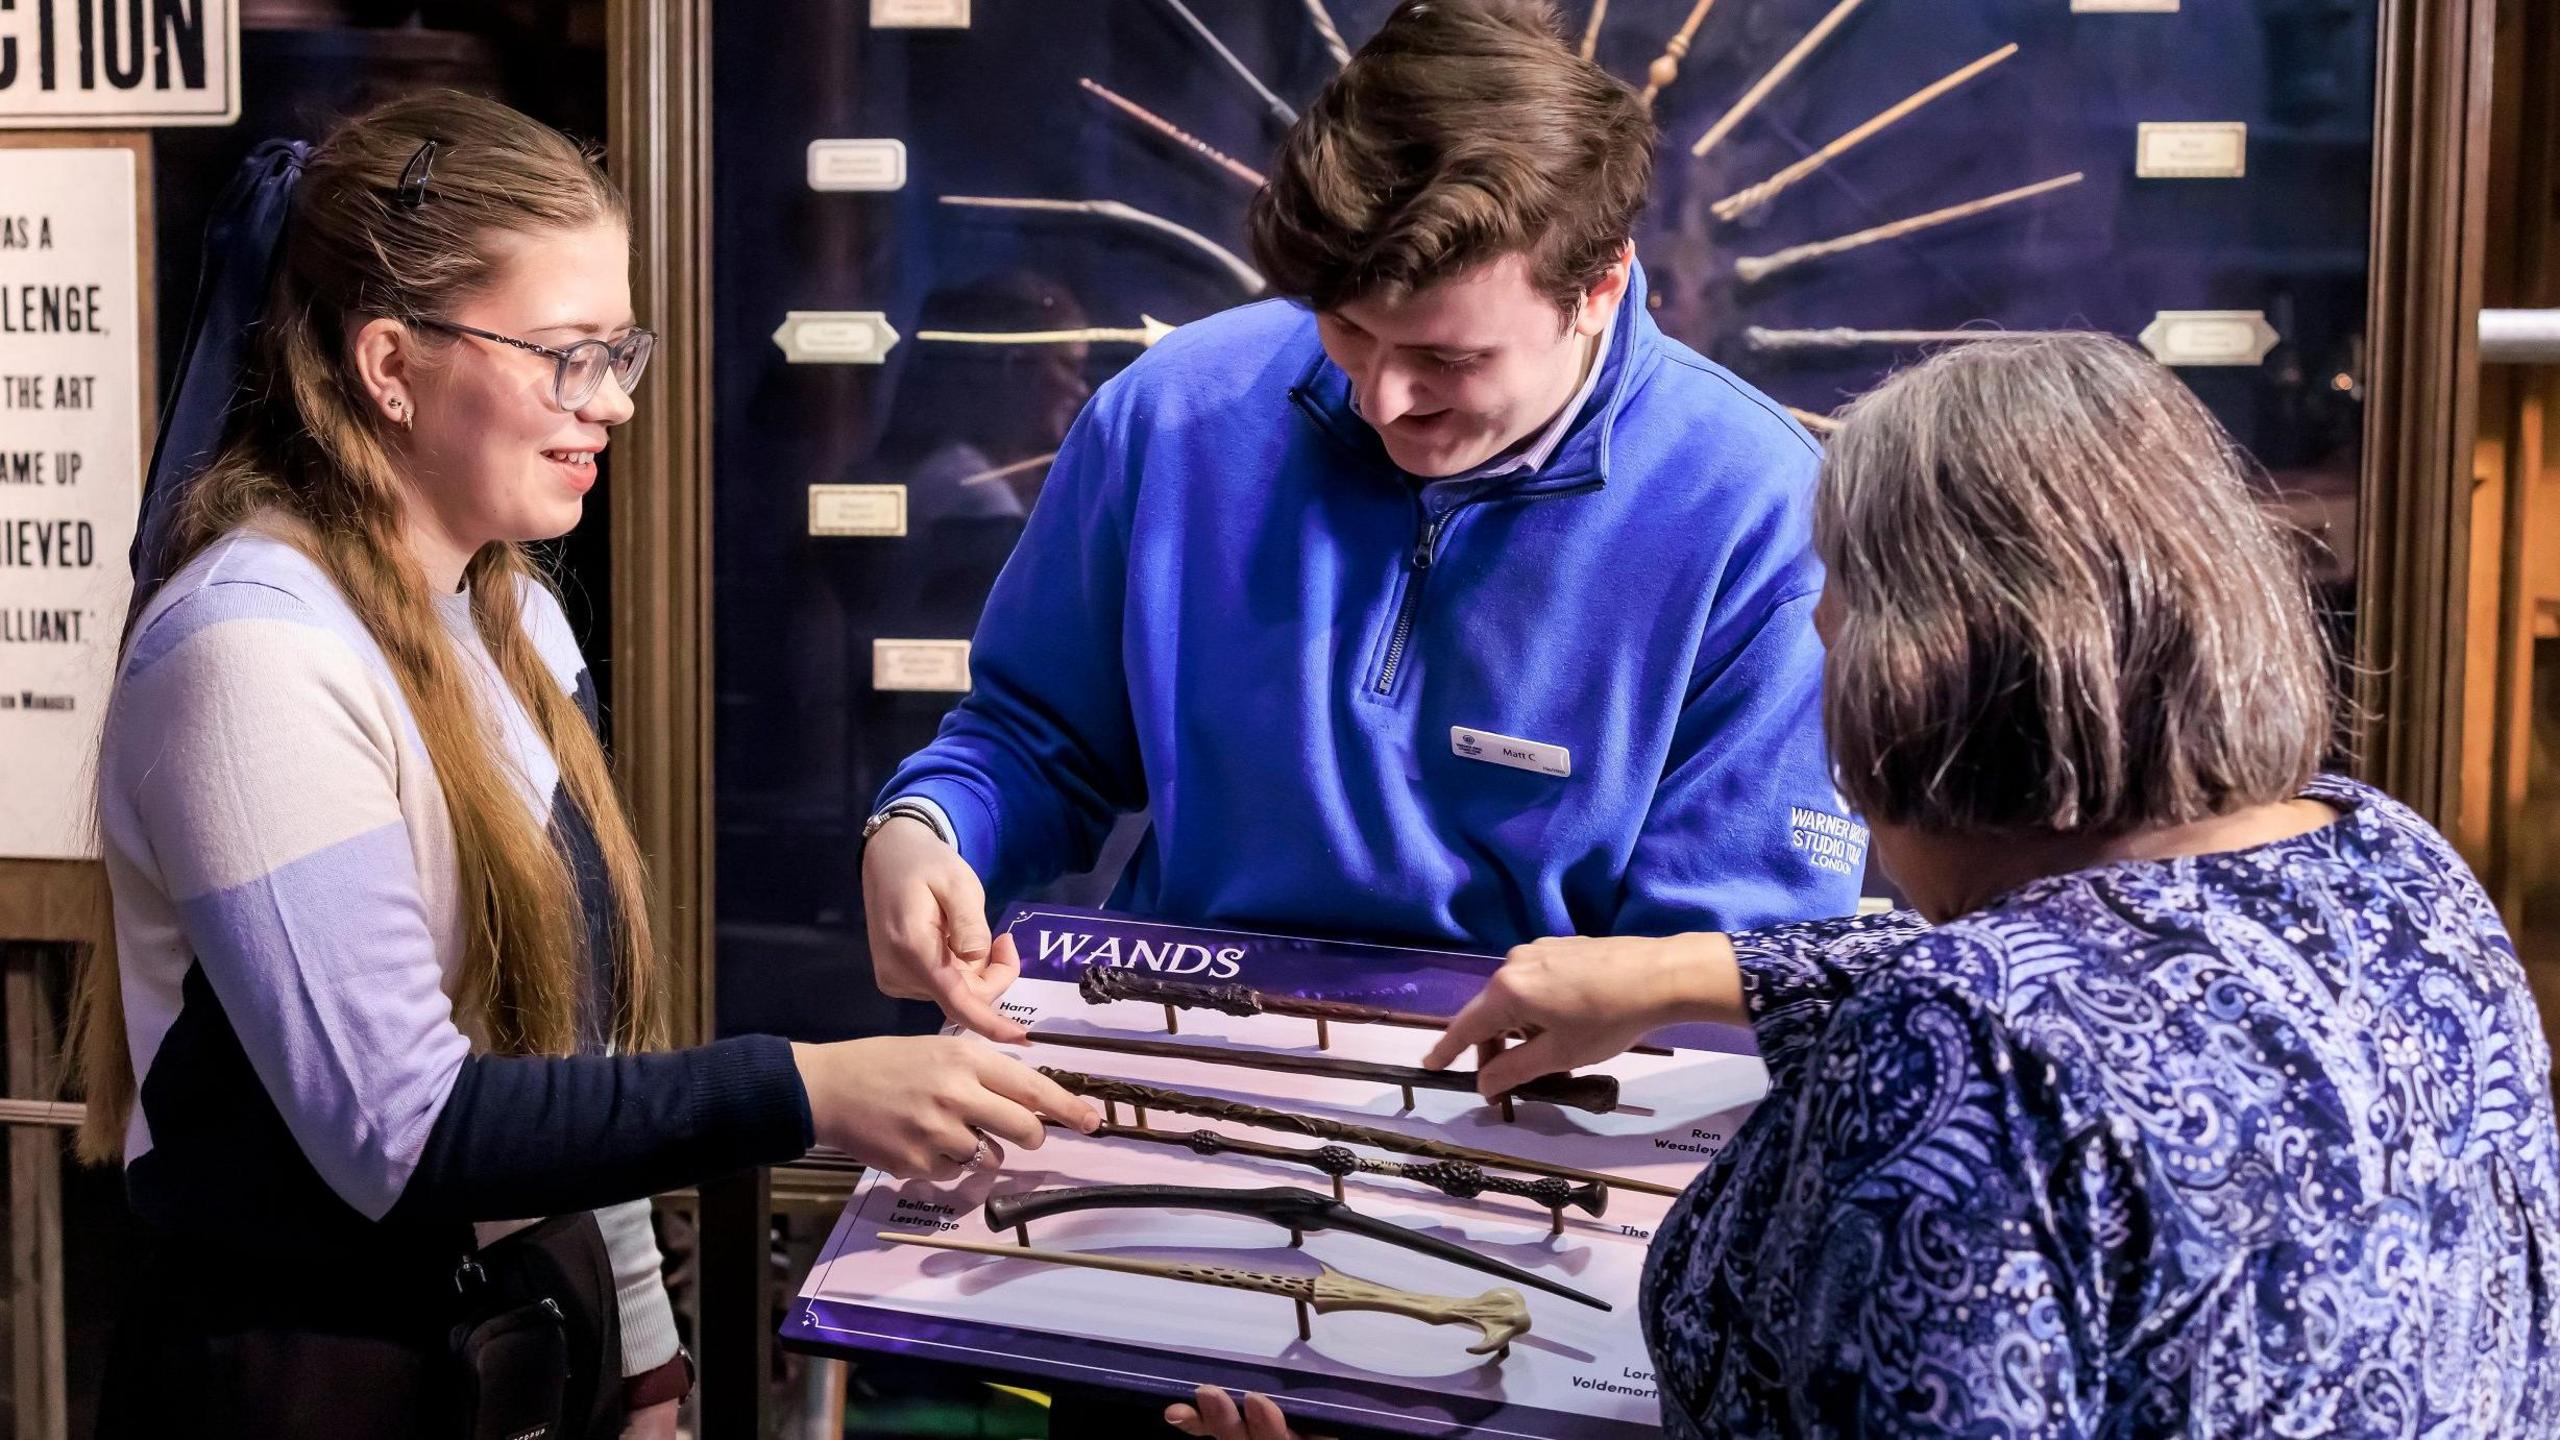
65, 1114
2520, 337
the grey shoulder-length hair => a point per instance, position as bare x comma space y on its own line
2055, 605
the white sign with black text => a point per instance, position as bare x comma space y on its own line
115, 64
70, 478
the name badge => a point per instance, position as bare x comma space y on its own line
1510, 750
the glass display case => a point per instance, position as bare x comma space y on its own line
934, 226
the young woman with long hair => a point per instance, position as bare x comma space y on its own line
384, 978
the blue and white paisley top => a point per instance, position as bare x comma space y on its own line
2257, 1143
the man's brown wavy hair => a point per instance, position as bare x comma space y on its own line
1464, 132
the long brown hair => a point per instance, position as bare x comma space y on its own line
305, 448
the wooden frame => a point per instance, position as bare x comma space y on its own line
658, 97
2430, 206
2518, 444
658, 62
36, 1298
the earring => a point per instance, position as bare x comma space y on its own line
400, 411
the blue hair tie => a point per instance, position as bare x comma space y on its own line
231, 298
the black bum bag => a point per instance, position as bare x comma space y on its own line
520, 1340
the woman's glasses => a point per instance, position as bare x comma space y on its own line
578, 369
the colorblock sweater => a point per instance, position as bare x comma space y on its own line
289, 938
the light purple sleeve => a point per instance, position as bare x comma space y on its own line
262, 759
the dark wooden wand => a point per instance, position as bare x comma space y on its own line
1595, 1093
1457, 1179
1103, 984
1209, 1107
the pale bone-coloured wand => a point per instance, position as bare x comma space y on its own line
1591, 32
1778, 73
1841, 337
1172, 132
1816, 421
1753, 197
1666, 67
1328, 32
1277, 106
1144, 335
1499, 1313
1250, 278
1757, 267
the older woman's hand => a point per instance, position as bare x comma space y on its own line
1213, 1414
1580, 1000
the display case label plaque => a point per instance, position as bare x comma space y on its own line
879, 510
2209, 337
2124, 7
835, 337
936, 665
920, 14
2192, 150
857, 164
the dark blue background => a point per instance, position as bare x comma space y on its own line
803, 742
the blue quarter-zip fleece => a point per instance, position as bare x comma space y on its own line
1232, 608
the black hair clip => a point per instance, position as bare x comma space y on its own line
414, 176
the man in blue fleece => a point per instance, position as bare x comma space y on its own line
1445, 602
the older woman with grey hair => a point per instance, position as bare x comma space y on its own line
2199, 1094
2202, 1092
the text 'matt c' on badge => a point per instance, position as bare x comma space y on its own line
1531, 755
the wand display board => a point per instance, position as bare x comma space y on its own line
71, 401
1577, 1371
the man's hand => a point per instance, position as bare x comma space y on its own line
1212, 1413
929, 936
916, 1105
1581, 1000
